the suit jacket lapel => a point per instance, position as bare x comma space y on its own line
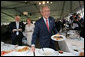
15, 25
19, 24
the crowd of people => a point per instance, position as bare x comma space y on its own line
43, 29
76, 22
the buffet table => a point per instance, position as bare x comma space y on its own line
69, 46
28, 53
72, 39
73, 43
37, 54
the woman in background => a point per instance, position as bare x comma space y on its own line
29, 28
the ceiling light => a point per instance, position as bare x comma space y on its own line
25, 13
25, 1
51, 2
47, 1
43, 2
39, 3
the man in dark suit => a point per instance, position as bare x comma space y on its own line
16, 29
44, 29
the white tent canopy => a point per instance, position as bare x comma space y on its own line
59, 9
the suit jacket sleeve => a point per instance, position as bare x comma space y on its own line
35, 33
10, 27
23, 26
54, 29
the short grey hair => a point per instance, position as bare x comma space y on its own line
43, 7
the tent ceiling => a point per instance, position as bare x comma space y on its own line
58, 9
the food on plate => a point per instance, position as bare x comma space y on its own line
60, 51
5, 52
57, 34
81, 54
22, 49
58, 37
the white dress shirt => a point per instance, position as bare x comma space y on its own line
17, 26
45, 20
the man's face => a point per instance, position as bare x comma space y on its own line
45, 12
17, 18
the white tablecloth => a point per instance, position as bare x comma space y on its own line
66, 46
29, 53
36, 54
69, 45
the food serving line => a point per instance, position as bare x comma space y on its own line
38, 52
70, 47
67, 52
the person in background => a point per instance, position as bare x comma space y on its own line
58, 24
16, 28
63, 22
82, 33
44, 29
72, 19
29, 28
76, 25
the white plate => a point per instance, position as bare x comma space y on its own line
58, 40
48, 52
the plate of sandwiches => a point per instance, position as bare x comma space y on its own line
58, 37
22, 49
